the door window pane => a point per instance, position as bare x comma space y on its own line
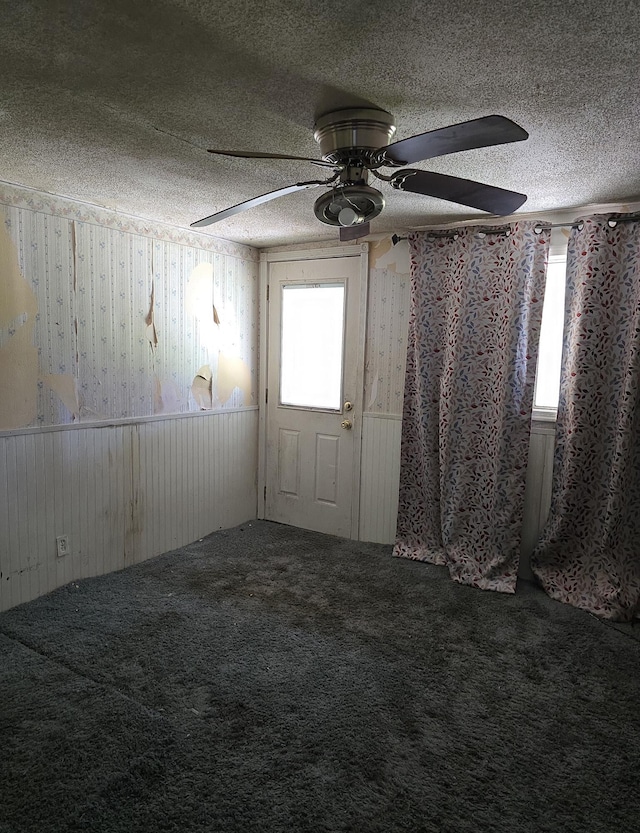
312, 345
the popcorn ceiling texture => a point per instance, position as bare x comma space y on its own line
115, 103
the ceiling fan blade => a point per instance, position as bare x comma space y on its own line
244, 206
249, 154
354, 232
463, 191
478, 133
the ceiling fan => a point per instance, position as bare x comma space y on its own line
354, 143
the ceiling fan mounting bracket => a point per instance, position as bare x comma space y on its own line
353, 175
354, 136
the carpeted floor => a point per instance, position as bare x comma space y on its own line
272, 679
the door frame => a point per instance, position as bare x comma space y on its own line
360, 250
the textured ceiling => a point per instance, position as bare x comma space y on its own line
115, 101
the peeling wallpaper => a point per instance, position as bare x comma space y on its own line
98, 322
109, 319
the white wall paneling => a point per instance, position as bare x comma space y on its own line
122, 493
126, 316
379, 477
537, 497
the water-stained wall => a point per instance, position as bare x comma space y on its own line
18, 354
105, 319
102, 322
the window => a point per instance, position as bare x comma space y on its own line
550, 349
547, 389
312, 345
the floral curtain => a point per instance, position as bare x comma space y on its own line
589, 553
474, 325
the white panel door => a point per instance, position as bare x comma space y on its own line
314, 381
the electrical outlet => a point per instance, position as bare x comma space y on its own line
62, 544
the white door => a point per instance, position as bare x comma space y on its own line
314, 393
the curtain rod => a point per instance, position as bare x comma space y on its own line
613, 221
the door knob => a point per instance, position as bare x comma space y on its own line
347, 424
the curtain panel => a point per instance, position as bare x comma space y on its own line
476, 308
589, 551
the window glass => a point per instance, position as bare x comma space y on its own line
312, 345
550, 350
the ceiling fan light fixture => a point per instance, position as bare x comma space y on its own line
349, 205
348, 216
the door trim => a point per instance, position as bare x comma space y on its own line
360, 250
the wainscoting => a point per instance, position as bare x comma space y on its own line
122, 493
379, 477
537, 496
125, 492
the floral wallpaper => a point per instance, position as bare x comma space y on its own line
387, 326
125, 324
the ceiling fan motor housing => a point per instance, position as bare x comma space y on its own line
353, 135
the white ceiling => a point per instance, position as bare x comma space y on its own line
114, 102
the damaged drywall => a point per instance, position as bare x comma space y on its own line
233, 373
199, 305
215, 382
201, 388
99, 323
65, 388
18, 354
199, 296
215, 391
385, 255
151, 333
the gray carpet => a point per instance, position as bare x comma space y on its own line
271, 679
